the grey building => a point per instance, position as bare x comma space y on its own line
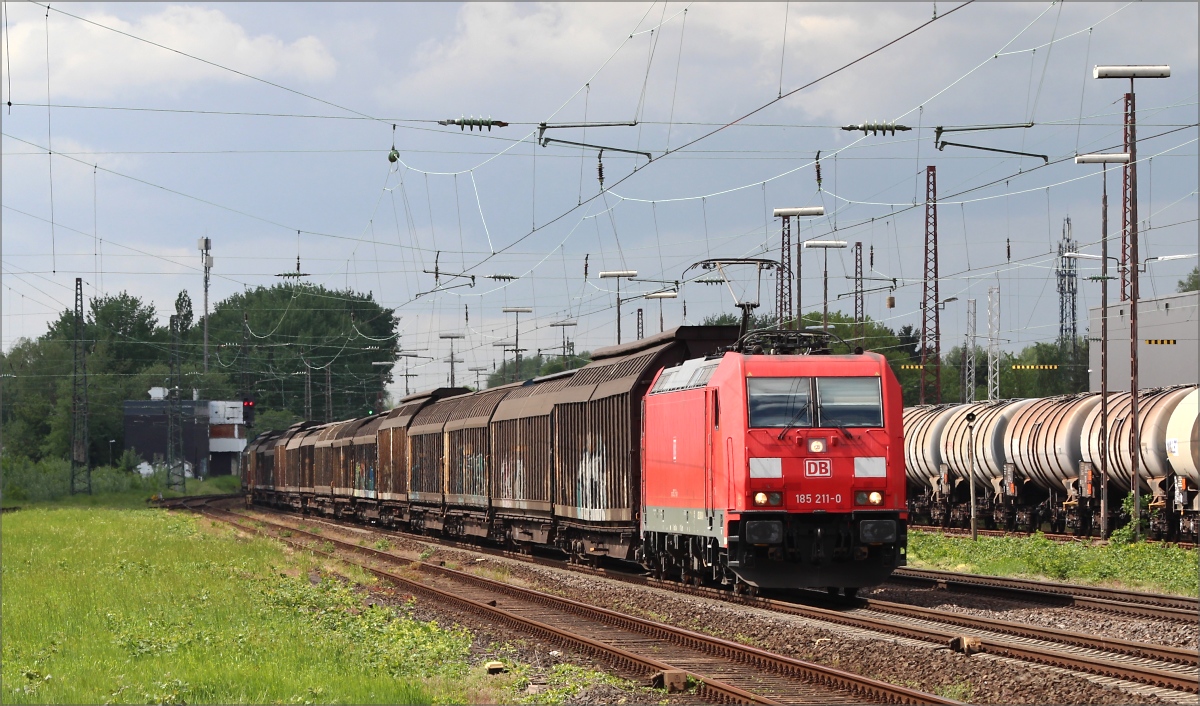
1167, 342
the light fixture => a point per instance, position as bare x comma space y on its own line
799, 211
1146, 71
1103, 158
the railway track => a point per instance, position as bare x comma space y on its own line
1153, 665
1111, 600
1064, 538
726, 671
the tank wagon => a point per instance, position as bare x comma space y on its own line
759, 462
1037, 461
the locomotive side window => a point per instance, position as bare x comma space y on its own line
849, 402
779, 402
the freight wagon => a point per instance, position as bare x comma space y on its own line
1037, 462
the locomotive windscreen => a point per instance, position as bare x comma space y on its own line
849, 402
780, 402
841, 402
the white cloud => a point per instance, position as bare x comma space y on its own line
91, 63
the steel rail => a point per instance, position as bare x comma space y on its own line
1031, 653
1130, 648
817, 675
1094, 597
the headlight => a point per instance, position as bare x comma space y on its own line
864, 497
816, 446
773, 499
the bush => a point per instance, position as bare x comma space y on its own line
30, 481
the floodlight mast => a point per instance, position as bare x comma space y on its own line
783, 282
564, 325
452, 337
618, 275
825, 245
1130, 238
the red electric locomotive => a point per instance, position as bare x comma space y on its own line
776, 467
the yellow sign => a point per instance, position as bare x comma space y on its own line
1035, 367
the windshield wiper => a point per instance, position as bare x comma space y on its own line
792, 422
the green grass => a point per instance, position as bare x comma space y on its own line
1143, 566
111, 605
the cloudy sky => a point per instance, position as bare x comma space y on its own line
267, 128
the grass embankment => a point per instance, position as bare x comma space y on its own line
115, 605
1139, 565
48, 482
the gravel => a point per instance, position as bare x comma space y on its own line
979, 678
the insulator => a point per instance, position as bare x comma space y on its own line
600, 169
818, 164
872, 257
1008, 249
474, 122
393, 155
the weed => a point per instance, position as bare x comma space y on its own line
383, 545
427, 552
958, 691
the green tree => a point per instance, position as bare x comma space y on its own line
536, 366
1190, 283
294, 329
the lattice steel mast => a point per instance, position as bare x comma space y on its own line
1128, 196
969, 355
81, 467
175, 459
1068, 289
860, 317
783, 289
993, 375
931, 333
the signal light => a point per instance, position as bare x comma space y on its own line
248, 412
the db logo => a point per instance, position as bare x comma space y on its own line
818, 468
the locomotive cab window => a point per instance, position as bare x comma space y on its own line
849, 402
779, 402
